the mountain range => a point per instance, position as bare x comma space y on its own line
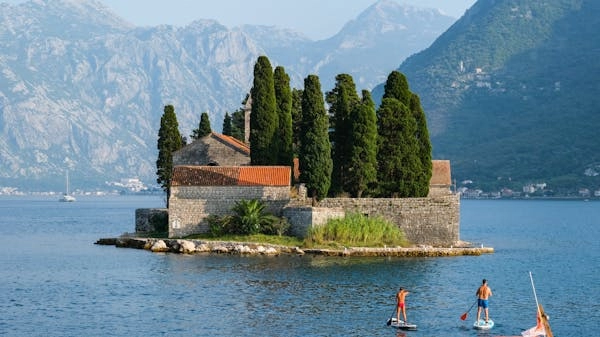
83, 90
509, 90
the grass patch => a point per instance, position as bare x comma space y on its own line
282, 240
356, 230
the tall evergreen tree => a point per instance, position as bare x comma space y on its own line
402, 123
315, 149
398, 163
424, 144
203, 127
238, 125
296, 119
362, 173
341, 99
396, 86
227, 126
263, 119
169, 141
283, 98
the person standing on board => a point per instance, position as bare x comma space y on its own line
483, 294
401, 304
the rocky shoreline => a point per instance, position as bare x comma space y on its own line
181, 246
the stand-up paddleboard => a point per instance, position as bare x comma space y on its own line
403, 325
482, 325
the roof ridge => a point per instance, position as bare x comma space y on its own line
232, 141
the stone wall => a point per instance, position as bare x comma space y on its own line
303, 218
429, 221
189, 206
151, 220
425, 221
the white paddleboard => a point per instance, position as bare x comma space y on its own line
403, 325
482, 325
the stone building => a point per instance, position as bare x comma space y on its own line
212, 173
441, 179
200, 191
213, 150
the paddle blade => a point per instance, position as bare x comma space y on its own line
389, 322
464, 316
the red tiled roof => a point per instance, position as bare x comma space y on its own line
234, 142
231, 176
440, 173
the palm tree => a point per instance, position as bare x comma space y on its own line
250, 216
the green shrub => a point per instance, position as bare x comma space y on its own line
279, 227
215, 226
250, 218
356, 230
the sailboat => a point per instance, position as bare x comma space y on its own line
542, 328
67, 197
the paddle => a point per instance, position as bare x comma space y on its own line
464, 316
389, 321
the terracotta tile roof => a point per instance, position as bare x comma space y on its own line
265, 175
231, 176
440, 173
231, 141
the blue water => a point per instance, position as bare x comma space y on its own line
55, 282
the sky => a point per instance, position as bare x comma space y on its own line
317, 19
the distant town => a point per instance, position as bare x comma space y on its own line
125, 186
134, 186
538, 190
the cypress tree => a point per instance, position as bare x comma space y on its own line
283, 98
424, 146
296, 119
342, 100
263, 119
389, 154
363, 154
402, 124
315, 149
398, 163
203, 127
396, 86
238, 122
227, 127
169, 141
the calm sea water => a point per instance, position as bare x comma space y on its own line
55, 282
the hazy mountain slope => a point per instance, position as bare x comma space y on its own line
377, 41
510, 94
81, 89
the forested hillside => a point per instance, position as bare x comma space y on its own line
511, 94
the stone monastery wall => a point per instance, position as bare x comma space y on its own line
189, 206
431, 221
428, 221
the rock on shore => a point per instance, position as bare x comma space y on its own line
248, 248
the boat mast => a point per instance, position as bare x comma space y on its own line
67, 193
